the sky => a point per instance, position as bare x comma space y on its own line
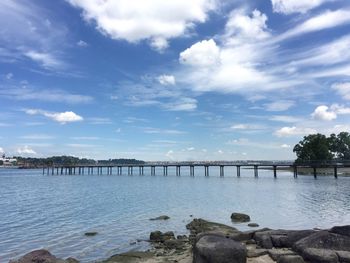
172, 80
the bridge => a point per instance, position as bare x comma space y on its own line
117, 169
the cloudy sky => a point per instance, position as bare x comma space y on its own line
172, 80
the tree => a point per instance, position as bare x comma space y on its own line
340, 145
314, 147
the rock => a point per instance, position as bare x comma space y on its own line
42, 256
158, 236
256, 252
324, 240
90, 234
344, 256
240, 218
216, 249
174, 244
164, 217
182, 237
316, 255
253, 225
263, 239
341, 230
275, 254
197, 226
130, 257
290, 259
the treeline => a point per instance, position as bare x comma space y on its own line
320, 148
69, 160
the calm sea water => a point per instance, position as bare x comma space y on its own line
54, 212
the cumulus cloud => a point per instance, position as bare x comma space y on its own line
294, 131
25, 150
203, 53
166, 80
61, 117
343, 89
326, 113
155, 20
295, 6
2, 150
82, 43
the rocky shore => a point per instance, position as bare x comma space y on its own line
210, 242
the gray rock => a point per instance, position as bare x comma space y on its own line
263, 239
240, 217
42, 256
291, 259
341, 230
90, 234
344, 256
158, 236
275, 254
216, 249
316, 255
199, 225
256, 252
253, 225
164, 217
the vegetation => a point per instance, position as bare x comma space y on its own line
69, 160
319, 148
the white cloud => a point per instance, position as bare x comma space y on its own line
61, 117
203, 53
182, 104
285, 118
9, 76
166, 80
247, 127
322, 113
151, 130
82, 43
285, 146
295, 6
241, 27
137, 20
343, 89
46, 60
2, 150
37, 137
320, 22
25, 150
294, 131
281, 105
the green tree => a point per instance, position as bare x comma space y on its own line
340, 145
314, 147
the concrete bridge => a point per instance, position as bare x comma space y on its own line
254, 165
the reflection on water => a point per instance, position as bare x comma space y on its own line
54, 212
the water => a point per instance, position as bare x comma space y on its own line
54, 212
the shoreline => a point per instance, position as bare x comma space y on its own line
259, 245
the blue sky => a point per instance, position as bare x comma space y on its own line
172, 80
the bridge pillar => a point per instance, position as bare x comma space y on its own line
238, 170
256, 171
275, 171
206, 170
191, 170
315, 172
335, 172
178, 170
222, 170
153, 170
295, 168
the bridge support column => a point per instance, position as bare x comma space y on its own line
295, 168
256, 171
153, 170
206, 170
222, 170
178, 170
335, 172
238, 171
165, 170
275, 171
315, 172
191, 170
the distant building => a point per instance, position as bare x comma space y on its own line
7, 161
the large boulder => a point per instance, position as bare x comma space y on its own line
290, 259
42, 256
218, 249
199, 225
341, 230
240, 217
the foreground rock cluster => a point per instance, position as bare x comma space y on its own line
211, 242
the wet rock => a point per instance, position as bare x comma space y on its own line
130, 257
217, 249
158, 236
240, 217
263, 239
90, 234
253, 225
182, 237
291, 259
163, 217
42, 256
197, 226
